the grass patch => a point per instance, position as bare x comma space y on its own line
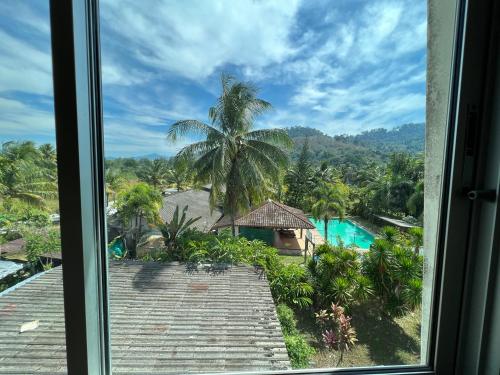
289, 259
382, 340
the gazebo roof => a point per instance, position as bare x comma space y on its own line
270, 214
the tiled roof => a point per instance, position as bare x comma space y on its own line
164, 320
198, 203
270, 214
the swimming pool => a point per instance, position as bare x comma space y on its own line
348, 232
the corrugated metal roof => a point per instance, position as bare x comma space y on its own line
9, 268
270, 214
198, 202
164, 320
396, 222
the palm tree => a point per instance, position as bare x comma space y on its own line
21, 178
114, 182
329, 202
233, 155
154, 173
48, 160
181, 172
138, 206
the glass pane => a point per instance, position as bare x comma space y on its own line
265, 173
32, 338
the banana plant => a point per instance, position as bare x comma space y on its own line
178, 225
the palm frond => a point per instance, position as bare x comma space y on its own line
181, 128
273, 152
275, 136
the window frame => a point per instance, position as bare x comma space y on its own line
79, 134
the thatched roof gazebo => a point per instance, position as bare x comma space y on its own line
271, 222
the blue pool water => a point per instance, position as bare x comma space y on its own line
348, 232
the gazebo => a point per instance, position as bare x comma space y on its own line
273, 223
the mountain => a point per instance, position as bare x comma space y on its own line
370, 146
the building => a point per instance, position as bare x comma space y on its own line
274, 223
165, 319
199, 206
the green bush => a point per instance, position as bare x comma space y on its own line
287, 319
41, 242
337, 277
289, 285
395, 271
299, 351
197, 247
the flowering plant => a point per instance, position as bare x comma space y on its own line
338, 333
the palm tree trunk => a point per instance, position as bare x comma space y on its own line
326, 230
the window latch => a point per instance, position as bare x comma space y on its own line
485, 195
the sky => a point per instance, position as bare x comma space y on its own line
340, 66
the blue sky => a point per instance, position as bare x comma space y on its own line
338, 66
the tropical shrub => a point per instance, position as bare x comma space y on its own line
337, 277
137, 206
41, 242
287, 319
299, 351
197, 247
338, 334
396, 274
171, 230
289, 285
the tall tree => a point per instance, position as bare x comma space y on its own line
329, 202
300, 179
137, 207
181, 171
21, 178
114, 182
154, 173
233, 157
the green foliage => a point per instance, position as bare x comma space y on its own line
416, 238
154, 173
390, 234
17, 212
178, 225
233, 156
25, 175
299, 351
287, 319
114, 182
137, 206
329, 201
41, 242
337, 277
338, 334
181, 171
395, 271
139, 201
197, 247
300, 180
289, 285
359, 150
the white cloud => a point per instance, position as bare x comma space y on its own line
129, 139
23, 67
193, 40
19, 120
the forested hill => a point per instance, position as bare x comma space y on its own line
374, 145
